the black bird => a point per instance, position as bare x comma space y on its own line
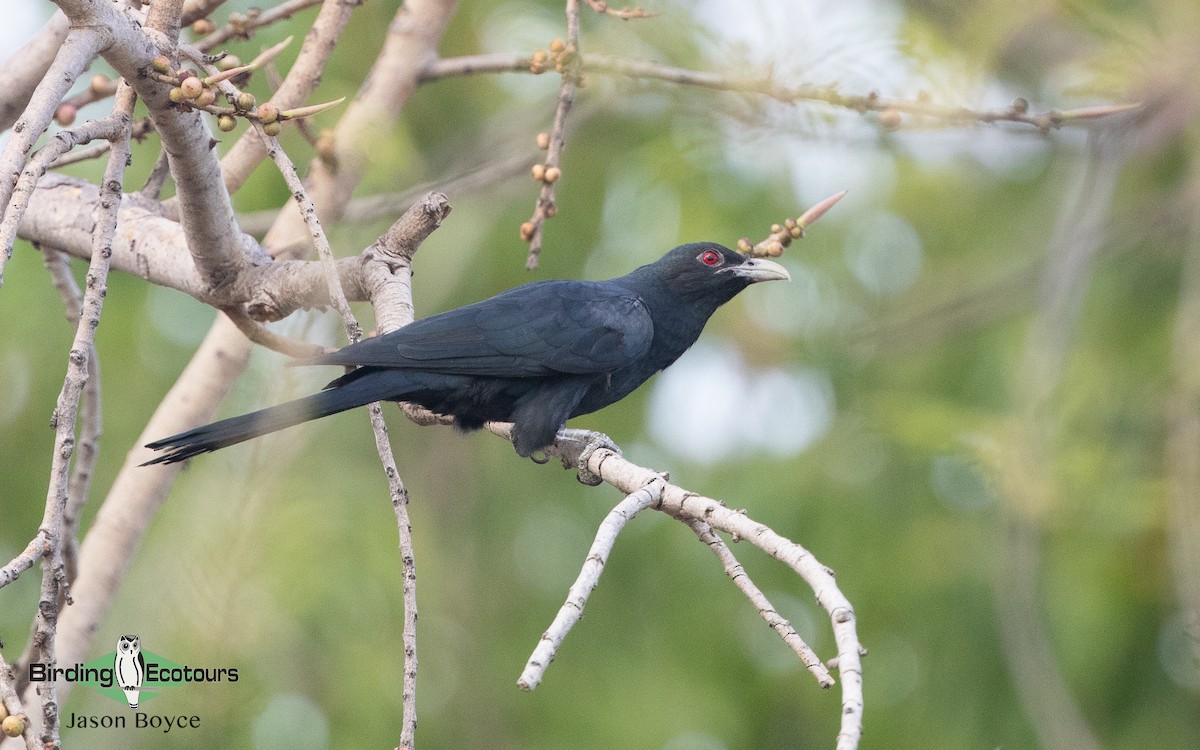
535, 355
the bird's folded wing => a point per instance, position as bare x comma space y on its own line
545, 328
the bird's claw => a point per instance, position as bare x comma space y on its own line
590, 441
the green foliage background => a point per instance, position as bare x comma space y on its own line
279, 557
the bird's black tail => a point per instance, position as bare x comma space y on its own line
210, 437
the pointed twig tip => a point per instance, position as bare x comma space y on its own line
811, 215
309, 111
1097, 112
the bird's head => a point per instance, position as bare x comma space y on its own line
708, 272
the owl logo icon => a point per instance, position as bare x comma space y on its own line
130, 667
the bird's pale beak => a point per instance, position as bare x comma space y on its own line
760, 269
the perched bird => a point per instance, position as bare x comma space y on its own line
535, 355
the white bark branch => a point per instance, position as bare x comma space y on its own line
766, 610
686, 506
75, 54
25, 69
572, 610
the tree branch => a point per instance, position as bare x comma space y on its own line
766, 610
1017, 112
54, 577
89, 419
206, 214
75, 54
687, 506
27, 67
567, 60
572, 610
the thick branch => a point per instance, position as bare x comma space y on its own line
206, 213
61, 216
387, 263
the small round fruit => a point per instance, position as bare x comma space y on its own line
268, 113
191, 87
13, 726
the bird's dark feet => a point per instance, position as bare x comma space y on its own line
588, 441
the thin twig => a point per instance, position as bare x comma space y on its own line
397, 491
54, 579
625, 14
301, 80
399, 496
1183, 437
90, 420
308, 212
25, 559
545, 207
61, 143
1017, 112
39, 164
1027, 479
157, 178
391, 296
141, 128
766, 610
75, 54
782, 235
593, 566
683, 504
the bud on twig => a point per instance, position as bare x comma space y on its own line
310, 110
225, 75
817, 211
792, 229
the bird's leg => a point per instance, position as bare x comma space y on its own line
587, 441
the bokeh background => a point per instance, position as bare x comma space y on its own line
976, 401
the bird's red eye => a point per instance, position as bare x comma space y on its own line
710, 258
